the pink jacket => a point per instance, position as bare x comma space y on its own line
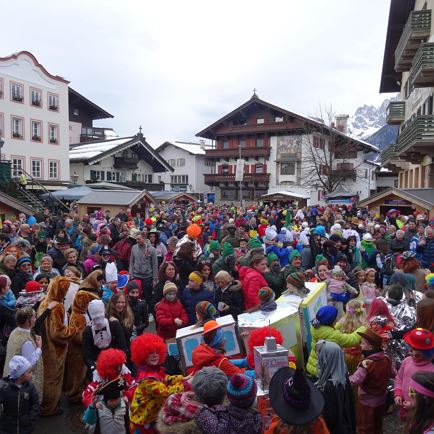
407, 369
251, 282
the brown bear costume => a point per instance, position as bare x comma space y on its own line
55, 336
75, 368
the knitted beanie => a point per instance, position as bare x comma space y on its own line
265, 294
23, 260
18, 366
241, 390
227, 249
294, 254
209, 385
272, 257
195, 276
213, 246
320, 259
326, 315
254, 243
168, 287
206, 310
32, 286
297, 279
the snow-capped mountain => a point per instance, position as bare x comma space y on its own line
368, 120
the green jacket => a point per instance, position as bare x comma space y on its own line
329, 333
276, 282
219, 265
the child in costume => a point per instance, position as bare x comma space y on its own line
368, 289
421, 419
372, 376
110, 414
421, 357
170, 312
204, 312
349, 323
110, 365
339, 291
149, 352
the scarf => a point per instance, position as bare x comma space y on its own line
102, 336
180, 407
331, 364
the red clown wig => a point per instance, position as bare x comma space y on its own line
257, 339
146, 344
109, 363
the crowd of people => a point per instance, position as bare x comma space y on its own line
89, 304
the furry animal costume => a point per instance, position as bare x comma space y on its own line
55, 337
75, 368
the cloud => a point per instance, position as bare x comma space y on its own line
175, 67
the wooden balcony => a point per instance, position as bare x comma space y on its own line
417, 138
422, 70
125, 163
216, 179
235, 152
416, 30
395, 112
268, 127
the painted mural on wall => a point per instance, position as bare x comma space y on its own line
288, 146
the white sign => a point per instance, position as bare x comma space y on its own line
239, 174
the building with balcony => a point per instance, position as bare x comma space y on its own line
189, 167
129, 161
34, 120
408, 68
82, 114
274, 145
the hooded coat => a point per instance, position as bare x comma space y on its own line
56, 333
167, 312
251, 281
75, 368
329, 333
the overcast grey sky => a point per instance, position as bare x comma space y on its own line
177, 66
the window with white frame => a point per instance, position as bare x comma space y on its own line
17, 127
36, 168
17, 92
53, 169
17, 166
53, 132
180, 162
36, 131
36, 95
260, 121
53, 101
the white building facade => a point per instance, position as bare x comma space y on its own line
34, 119
189, 166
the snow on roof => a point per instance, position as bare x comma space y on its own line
93, 149
286, 193
110, 197
192, 148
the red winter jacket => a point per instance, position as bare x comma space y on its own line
204, 356
251, 281
166, 312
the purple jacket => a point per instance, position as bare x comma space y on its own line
228, 419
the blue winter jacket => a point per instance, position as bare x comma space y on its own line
191, 298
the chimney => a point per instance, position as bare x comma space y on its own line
342, 123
